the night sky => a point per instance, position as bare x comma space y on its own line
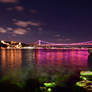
60, 21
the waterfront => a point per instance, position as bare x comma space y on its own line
61, 66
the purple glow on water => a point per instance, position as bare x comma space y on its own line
76, 59
48, 64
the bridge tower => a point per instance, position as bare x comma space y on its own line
39, 42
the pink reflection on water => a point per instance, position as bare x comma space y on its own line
68, 58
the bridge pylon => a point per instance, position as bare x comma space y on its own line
39, 42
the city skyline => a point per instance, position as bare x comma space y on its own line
27, 21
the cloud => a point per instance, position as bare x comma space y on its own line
17, 31
9, 1
40, 29
20, 31
9, 28
63, 39
28, 28
2, 30
34, 23
68, 39
22, 23
57, 35
17, 8
26, 23
33, 11
60, 39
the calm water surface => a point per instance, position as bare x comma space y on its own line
45, 65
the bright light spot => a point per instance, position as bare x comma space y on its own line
85, 84
2, 41
81, 83
84, 78
85, 73
49, 89
52, 84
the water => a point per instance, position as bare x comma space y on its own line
59, 66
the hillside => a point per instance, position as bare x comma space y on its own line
6, 44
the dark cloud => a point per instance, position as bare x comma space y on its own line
57, 35
9, 1
17, 8
33, 11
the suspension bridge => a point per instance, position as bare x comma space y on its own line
41, 43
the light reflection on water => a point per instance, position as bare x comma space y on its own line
19, 64
66, 58
11, 58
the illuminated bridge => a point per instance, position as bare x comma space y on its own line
41, 43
